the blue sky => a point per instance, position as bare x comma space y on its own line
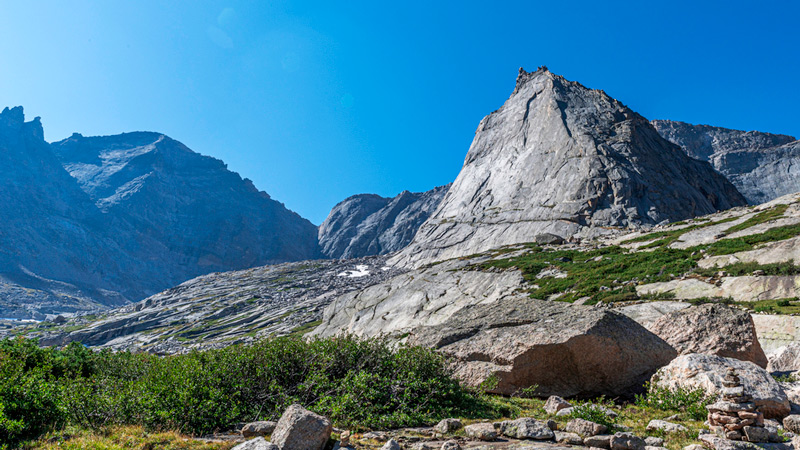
316, 101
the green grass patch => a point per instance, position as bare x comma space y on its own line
739, 269
300, 331
669, 236
764, 216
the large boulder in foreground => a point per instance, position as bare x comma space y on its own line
301, 429
713, 329
707, 372
566, 350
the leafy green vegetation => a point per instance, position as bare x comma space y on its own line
691, 402
669, 236
748, 268
357, 383
593, 413
120, 438
764, 216
744, 243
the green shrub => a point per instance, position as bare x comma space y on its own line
592, 413
693, 402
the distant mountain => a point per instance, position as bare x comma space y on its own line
560, 158
368, 224
96, 222
762, 166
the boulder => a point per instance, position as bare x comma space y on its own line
555, 404
391, 444
258, 443
792, 423
301, 429
566, 350
713, 329
652, 441
526, 428
626, 441
549, 239
599, 441
698, 371
715, 442
585, 427
481, 431
260, 428
451, 445
785, 358
448, 426
666, 427
568, 438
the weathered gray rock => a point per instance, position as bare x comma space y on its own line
626, 441
300, 429
585, 428
714, 329
715, 442
526, 428
391, 444
652, 441
762, 166
258, 443
707, 372
555, 404
694, 447
792, 423
558, 158
481, 431
260, 428
448, 426
666, 427
367, 224
568, 438
785, 358
565, 350
599, 441
451, 445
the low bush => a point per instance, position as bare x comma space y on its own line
357, 383
692, 402
593, 413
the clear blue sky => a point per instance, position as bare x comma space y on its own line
316, 101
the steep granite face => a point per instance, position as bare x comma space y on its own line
368, 224
762, 166
560, 158
130, 215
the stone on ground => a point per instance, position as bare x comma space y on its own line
481, 431
697, 371
451, 445
626, 441
792, 423
713, 329
585, 427
785, 358
555, 404
448, 426
652, 441
301, 429
667, 427
391, 444
568, 438
258, 443
526, 428
599, 441
259, 428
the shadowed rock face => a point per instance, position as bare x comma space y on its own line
130, 216
560, 158
762, 166
367, 224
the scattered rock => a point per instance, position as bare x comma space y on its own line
652, 441
481, 431
526, 428
585, 428
448, 426
391, 444
667, 427
598, 441
713, 329
715, 442
451, 445
707, 372
258, 443
260, 428
785, 358
301, 429
626, 441
792, 423
555, 404
565, 412
549, 239
694, 447
568, 438
344, 438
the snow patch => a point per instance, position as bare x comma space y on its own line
361, 271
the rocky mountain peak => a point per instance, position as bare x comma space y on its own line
560, 158
12, 117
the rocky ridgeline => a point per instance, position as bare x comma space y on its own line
220, 309
368, 224
762, 166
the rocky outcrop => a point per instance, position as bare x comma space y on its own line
762, 166
515, 343
713, 329
563, 159
785, 359
92, 223
707, 372
367, 224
